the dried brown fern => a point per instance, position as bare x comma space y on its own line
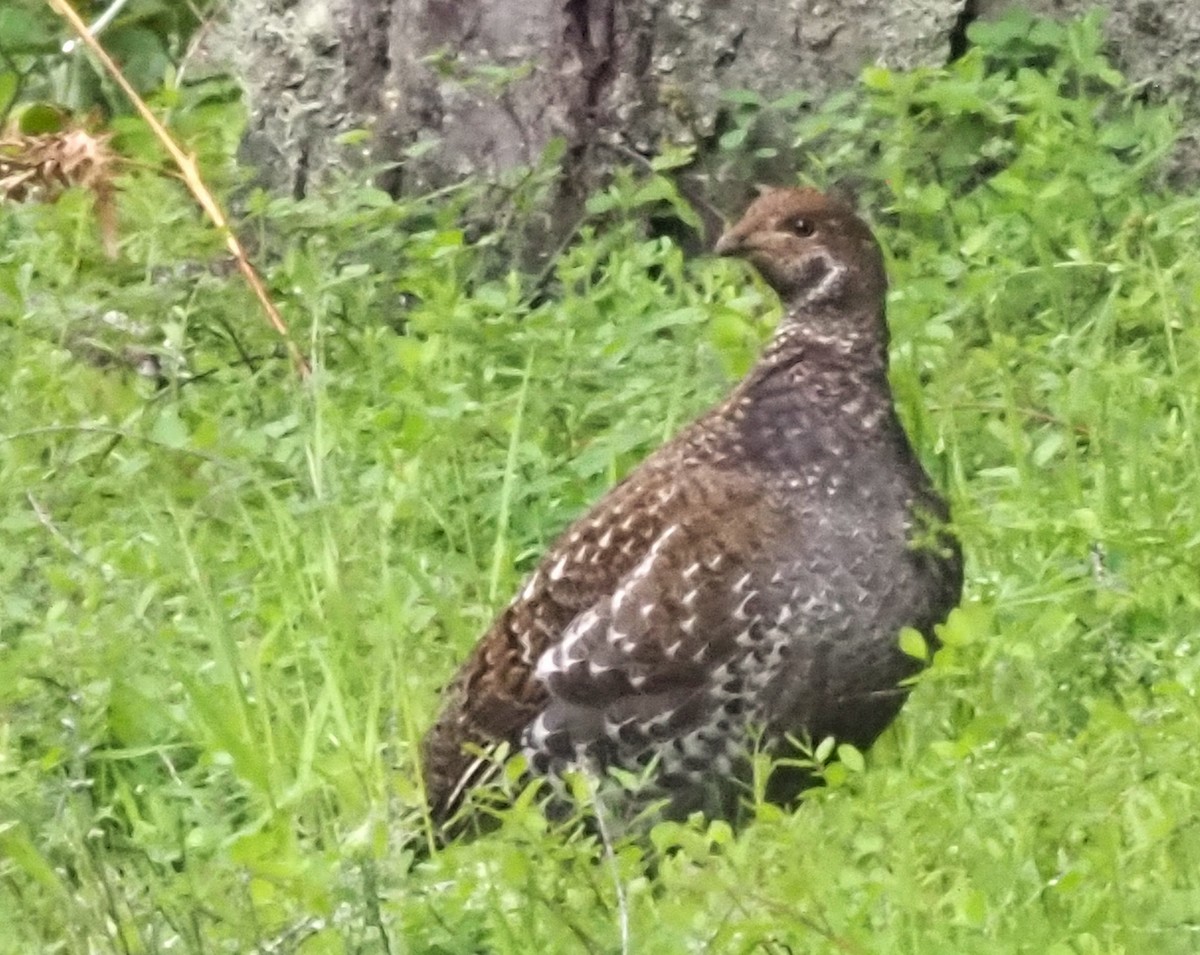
39, 168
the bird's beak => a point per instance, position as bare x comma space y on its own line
729, 244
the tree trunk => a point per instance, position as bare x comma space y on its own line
450, 88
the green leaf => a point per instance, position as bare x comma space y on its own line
9, 83
672, 157
851, 758
913, 644
741, 97
993, 34
734, 138
1048, 448
37, 119
965, 623
19, 851
24, 32
134, 717
216, 710
169, 429
141, 53
790, 101
878, 79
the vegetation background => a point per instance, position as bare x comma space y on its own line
229, 596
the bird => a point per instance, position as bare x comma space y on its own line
743, 589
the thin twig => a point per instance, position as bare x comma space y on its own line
610, 857
111, 432
191, 176
47, 522
98, 25
1033, 413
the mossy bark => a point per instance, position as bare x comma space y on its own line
449, 88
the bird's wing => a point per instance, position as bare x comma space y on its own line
672, 643
497, 694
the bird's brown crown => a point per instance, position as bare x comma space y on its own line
810, 247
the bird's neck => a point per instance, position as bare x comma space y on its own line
818, 398
831, 343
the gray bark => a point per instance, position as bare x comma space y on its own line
458, 87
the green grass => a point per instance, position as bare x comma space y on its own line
228, 602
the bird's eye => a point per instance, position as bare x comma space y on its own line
802, 227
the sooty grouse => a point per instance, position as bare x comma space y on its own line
748, 581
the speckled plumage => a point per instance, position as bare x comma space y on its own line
748, 580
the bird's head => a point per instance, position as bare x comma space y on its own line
812, 249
